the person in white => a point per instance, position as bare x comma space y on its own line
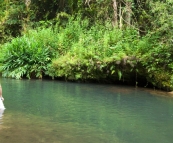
1, 99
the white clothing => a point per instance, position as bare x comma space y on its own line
1, 105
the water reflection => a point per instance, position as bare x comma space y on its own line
2, 108
1, 115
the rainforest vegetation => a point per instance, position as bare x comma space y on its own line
117, 41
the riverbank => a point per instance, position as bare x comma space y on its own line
110, 55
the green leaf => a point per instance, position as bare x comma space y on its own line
113, 71
119, 74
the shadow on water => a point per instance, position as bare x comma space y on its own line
59, 112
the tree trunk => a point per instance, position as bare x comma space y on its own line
128, 12
121, 18
115, 16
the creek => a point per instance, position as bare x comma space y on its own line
41, 111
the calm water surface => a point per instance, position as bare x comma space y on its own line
57, 112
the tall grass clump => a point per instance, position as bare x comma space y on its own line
29, 55
70, 33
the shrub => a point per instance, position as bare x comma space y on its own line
29, 55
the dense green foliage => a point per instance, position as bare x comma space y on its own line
96, 53
111, 41
30, 54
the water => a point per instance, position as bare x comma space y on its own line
58, 112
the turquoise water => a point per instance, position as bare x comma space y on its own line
39, 111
